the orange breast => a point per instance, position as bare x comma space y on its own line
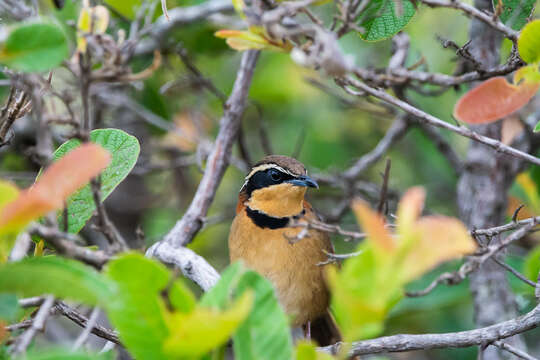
292, 268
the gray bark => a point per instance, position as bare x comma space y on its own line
482, 200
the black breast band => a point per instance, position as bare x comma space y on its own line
265, 221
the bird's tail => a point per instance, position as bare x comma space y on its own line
324, 330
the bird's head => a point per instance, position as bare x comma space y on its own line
276, 186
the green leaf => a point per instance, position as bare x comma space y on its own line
531, 267
265, 334
126, 8
383, 18
34, 47
537, 127
138, 311
529, 42
9, 307
219, 296
515, 12
59, 354
58, 276
124, 149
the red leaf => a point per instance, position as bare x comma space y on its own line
493, 100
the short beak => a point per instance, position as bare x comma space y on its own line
304, 180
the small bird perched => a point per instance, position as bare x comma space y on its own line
272, 196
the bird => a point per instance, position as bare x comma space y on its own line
271, 197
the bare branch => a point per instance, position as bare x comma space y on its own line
433, 121
474, 12
409, 342
83, 322
193, 266
64, 243
186, 228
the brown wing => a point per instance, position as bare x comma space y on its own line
324, 329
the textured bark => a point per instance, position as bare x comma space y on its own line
482, 200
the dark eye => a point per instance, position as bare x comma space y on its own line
275, 175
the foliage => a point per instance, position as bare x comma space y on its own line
380, 20
127, 8
265, 333
9, 307
36, 46
515, 12
370, 284
385, 18
529, 43
156, 315
53, 188
55, 275
125, 151
92, 20
307, 351
496, 98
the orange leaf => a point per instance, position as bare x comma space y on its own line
373, 225
409, 208
3, 331
493, 100
60, 180
441, 238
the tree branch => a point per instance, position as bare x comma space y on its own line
186, 228
406, 342
433, 121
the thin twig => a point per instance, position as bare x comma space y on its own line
513, 350
65, 244
384, 187
38, 324
515, 272
83, 337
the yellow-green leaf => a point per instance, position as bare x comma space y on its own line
529, 42
306, 350
92, 20
251, 39
196, 333
528, 74
371, 283
8, 193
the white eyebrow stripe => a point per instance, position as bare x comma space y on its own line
266, 167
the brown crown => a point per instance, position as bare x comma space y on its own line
287, 163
